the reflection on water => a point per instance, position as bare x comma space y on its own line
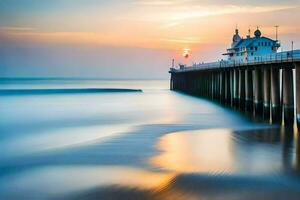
152, 145
219, 164
196, 151
56, 181
259, 151
206, 164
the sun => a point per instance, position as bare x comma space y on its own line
186, 53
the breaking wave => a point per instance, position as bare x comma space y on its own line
64, 91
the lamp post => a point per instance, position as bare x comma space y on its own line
276, 32
292, 50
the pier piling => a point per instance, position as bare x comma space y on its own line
231, 87
228, 90
267, 92
248, 90
241, 89
236, 87
288, 95
258, 91
275, 95
223, 86
256, 88
297, 66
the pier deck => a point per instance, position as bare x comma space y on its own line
264, 86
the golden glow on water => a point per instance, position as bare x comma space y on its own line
87, 177
204, 151
297, 150
216, 153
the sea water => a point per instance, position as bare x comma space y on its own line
123, 144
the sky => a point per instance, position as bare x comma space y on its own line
130, 39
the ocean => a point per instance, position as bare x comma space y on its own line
136, 139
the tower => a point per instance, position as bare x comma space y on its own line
236, 38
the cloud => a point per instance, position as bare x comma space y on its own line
194, 40
117, 39
15, 28
188, 3
181, 10
155, 3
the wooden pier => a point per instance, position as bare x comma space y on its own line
265, 87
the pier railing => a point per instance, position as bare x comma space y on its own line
264, 86
282, 57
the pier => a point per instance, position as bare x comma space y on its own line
264, 87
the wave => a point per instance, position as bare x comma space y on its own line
64, 91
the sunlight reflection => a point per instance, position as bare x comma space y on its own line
67, 179
208, 151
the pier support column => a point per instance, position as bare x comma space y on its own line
267, 92
211, 96
202, 85
207, 84
288, 95
197, 84
275, 95
231, 86
182, 84
258, 91
249, 90
212, 85
217, 86
223, 86
298, 93
236, 87
171, 82
228, 88
242, 89
187, 84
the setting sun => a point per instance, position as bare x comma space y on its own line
186, 53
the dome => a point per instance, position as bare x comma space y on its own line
257, 33
236, 37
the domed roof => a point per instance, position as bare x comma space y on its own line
236, 36
257, 33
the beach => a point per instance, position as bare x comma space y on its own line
136, 139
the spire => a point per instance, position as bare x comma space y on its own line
249, 32
236, 29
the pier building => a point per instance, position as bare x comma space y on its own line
251, 48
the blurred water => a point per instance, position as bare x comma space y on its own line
155, 144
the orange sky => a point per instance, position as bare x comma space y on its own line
204, 27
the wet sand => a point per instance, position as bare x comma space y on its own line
152, 145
